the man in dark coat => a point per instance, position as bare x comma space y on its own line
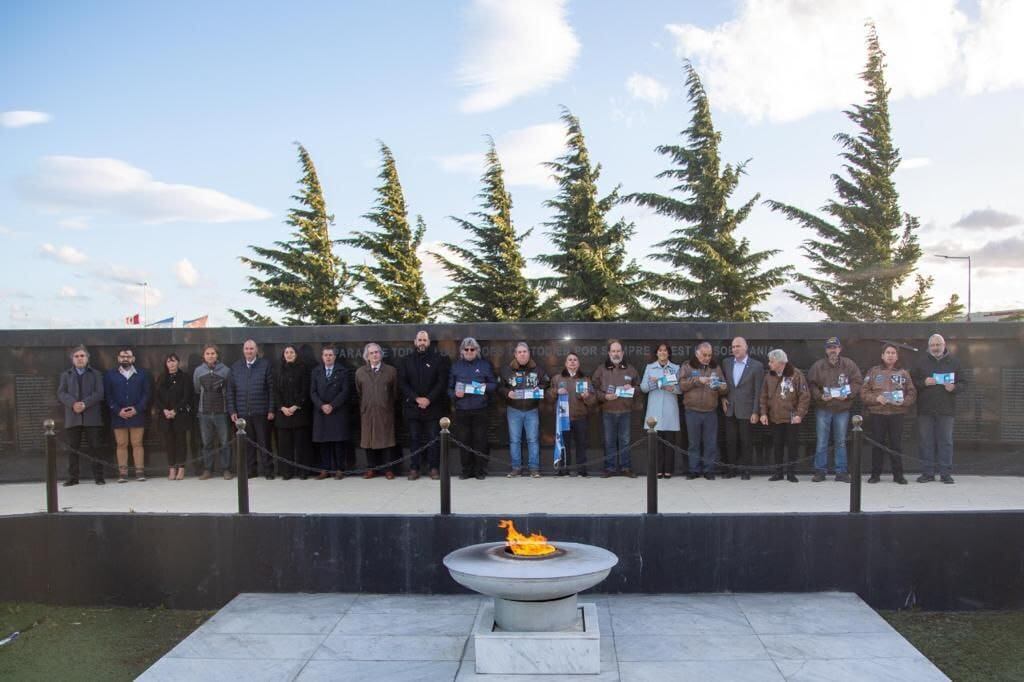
742, 407
423, 383
81, 393
251, 397
938, 378
329, 390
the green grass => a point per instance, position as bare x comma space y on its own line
88, 643
967, 645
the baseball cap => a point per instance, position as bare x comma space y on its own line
832, 341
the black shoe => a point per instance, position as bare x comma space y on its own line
584, 474
925, 478
792, 478
100, 481
628, 473
561, 472
464, 477
481, 476
690, 477
270, 477
744, 476
303, 477
728, 474
286, 477
607, 473
875, 478
709, 477
775, 477
818, 477
899, 479
946, 478
842, 478
70, 482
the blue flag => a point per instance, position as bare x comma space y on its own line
561, 426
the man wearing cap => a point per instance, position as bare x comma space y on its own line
938, 378
834, 382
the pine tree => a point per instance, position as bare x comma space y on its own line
864, 258
593, 280
489, 285
394, 281
302, 276
713, 275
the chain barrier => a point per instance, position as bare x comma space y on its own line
561, 467
741, 467
348, 472
151, 469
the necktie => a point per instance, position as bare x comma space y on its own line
329, 370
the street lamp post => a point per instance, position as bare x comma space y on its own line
145, 302
968, 259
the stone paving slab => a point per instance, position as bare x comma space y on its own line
383, 638
552, 495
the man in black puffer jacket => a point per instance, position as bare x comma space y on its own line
423, 384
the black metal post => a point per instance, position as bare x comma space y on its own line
446, 474
50, 433
241, 467
858, 440
652, 465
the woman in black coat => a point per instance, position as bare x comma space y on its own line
174, 414
291, 388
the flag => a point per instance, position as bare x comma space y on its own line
161, 324
562, 425
198, 322
133, 320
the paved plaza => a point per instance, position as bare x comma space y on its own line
377, 638
499, 495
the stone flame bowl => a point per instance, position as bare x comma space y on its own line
492, 570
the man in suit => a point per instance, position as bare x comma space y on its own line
81, 393
423, 382
744, 375
329, 391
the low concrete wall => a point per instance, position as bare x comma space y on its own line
941, 561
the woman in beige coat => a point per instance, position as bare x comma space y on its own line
377, 386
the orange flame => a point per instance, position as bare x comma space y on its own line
534, 545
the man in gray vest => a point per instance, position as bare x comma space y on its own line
744, 375
81, 393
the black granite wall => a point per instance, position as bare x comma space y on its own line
940, 561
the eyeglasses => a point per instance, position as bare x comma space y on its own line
469, 350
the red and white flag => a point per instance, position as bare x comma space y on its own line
133, 320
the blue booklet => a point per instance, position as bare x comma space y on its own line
943, 379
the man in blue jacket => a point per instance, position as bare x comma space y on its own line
127, 391
251, 397
471, 383
81, 393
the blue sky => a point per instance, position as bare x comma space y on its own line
153, 143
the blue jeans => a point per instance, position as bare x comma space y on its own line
518, 420
935, 446
836, 423
616, 439
702, 430
214, 426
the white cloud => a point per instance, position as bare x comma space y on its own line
646, 89
68, 255
20, 119
988, 218
121, 274
522, 153
186, 273
914, 163
74, 223
785, 59
513, 49
110, 185
994, 51
71, 293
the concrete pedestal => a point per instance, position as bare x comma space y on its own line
551, 615
573, 651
